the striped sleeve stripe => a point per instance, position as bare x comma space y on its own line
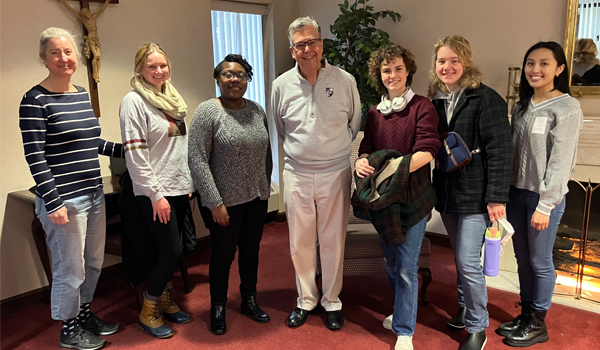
55, 209
73, 130
45, 182
32, 106
40, 162
33, 142
71, 112
34, 130
34, 153
41, 172
47, 193
131, 148
133, 141
32, 118
69, 152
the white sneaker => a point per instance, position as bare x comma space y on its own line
387, 323
404, 342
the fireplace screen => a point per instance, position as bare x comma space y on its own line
576, 251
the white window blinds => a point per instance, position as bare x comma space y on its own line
241, 33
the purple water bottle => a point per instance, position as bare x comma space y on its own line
491, 259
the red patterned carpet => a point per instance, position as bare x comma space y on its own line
367, 301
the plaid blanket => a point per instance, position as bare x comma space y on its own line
399, 202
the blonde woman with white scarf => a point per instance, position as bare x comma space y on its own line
154, 137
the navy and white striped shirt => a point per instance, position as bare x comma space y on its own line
61, 137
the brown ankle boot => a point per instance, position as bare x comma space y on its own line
151, 321
170, 310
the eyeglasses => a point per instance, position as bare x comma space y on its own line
229, 76
301, 45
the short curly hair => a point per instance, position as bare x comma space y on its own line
387, 54
233, 58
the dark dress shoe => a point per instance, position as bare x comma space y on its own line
251, 308
335, 319
81, 339
531, 331
457, 322
218, 325
297, 317
99, 327
475, 341
505, 328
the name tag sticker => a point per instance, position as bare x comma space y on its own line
539, 126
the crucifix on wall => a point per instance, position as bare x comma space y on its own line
91, 47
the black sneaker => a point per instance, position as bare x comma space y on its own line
81, 339
95, 325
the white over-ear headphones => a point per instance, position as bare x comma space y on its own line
386, 106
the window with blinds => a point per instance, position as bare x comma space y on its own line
241, 33
589, 20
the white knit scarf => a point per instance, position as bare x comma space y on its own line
170, 102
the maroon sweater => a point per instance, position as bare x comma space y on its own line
411, 130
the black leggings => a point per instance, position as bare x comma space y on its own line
168, 240
244, 232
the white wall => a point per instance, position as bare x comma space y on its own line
499, 32
181, 27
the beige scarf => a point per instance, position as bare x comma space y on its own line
170, 102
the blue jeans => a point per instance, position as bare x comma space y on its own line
401, 269
533, 248
467, 234
77, 249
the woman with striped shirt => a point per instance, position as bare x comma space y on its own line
61, 137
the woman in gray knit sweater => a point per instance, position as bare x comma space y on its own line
546, 126
230, 161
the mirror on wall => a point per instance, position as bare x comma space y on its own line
582, 45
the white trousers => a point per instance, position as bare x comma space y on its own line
317, 207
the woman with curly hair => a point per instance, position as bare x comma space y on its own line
470, 197
230, 160
407, 123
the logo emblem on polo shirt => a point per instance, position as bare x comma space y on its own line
329, 91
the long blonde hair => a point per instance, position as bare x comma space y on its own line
471, 77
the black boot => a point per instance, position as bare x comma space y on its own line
505, 328
475, 341
531, 331
457, 322
251, 308
218, 325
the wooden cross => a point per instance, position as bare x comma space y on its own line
92, 46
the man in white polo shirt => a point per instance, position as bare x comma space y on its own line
316, 108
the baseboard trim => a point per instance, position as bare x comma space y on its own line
280, 217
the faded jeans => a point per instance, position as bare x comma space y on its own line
401, 269
77, 249
467, 234
533, 248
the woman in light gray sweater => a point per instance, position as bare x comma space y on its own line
546, 126
230, 162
